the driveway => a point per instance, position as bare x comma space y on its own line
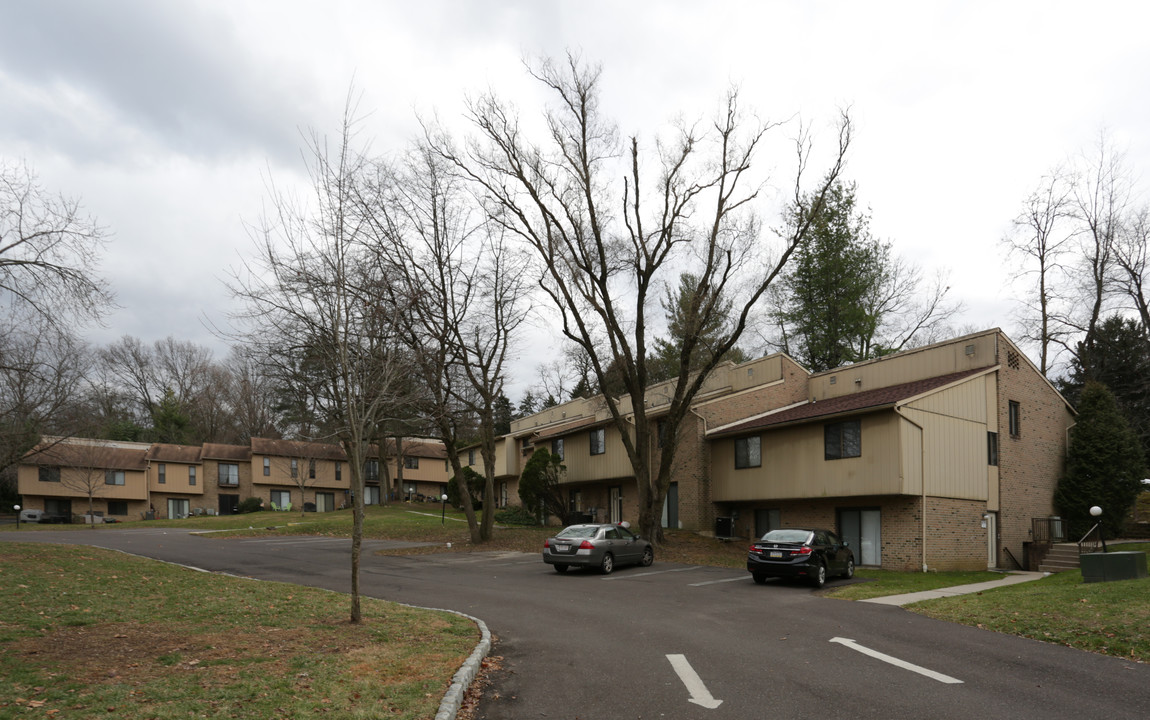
679, 641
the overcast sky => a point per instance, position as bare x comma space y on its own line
168, 118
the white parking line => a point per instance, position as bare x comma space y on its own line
896, 662
645, 574
716, 582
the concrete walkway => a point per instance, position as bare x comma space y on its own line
1011, 579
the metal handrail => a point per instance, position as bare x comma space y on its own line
1085, 546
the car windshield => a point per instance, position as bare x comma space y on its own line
579, 531
787, 536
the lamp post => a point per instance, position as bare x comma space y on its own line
443, 513
1096, 512
17, 509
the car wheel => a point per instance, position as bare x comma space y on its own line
760, 579
560, 569
819, 576
850, 571
648, 557
608, 564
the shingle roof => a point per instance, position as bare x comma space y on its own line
855, 402
89, 455
163, 452
297, 448
218, 451
565, 428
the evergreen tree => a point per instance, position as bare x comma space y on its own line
824, 315
1104, 464
169, 420
539, 488
681, 305
1119, 358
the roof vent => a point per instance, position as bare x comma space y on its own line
970, 349
834, 379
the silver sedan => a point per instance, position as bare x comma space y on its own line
601, 546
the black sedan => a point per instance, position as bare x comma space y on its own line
800, 553
601, 546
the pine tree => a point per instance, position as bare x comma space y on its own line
1104, 464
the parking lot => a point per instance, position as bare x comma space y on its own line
685, 641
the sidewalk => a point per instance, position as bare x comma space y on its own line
1012, 579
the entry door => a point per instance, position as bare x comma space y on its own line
370, 497
177, 508
325, 501
992, 540
229, 504
862, 529
671, 507
615, 505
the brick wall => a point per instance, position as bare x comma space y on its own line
1030, 464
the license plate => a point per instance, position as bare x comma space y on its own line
562, 548
776, 554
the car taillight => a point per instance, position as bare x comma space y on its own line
586, 545
801, 551
755, 549
547, 543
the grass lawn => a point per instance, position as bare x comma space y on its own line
86, 632
888, 582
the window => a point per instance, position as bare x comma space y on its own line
1015, 419
842, 440
294, 468
470, 458
598, 442
748, 452
281, 499
229, 474
661, 432
991, 448
338, 472
557, 447
371, 471
267, 466
163, 473
311, 469
411, 463
192, 475
113, 477
49, 474
117, 507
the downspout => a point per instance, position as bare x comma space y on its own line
922, 477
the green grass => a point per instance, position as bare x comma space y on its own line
1112, 618
887, 582
86, 632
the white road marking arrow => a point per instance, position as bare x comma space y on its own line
699, 693
896, 662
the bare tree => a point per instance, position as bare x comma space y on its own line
42, 371
466, 292
49, 252
604, 249
319, 314
1100, 196
251, 397
1041, 237
1132, 256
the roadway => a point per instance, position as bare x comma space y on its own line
680, 641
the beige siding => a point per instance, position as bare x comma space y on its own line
794, 465
175, 479
911, 457
954, 425
582, 466
906, 367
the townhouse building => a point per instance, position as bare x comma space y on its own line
132, 481
937, 457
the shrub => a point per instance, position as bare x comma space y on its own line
250, 505
516, 515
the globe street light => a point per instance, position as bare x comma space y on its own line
443, 513
17, 508
1096, 512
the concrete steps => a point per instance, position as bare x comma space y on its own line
1062, 557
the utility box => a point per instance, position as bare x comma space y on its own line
724, 527
1107, 567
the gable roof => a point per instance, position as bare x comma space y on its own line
219, 451
867, 400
